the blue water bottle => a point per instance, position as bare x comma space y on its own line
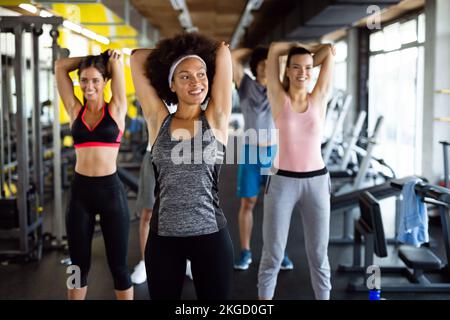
375, 294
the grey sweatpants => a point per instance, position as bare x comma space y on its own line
282, 194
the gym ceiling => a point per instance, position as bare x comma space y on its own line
250, 21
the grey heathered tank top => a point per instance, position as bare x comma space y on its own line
186, 190
256, 110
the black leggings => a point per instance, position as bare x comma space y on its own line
104, 196
211, 259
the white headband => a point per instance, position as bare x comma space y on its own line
178, 61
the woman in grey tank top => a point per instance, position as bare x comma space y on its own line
188, 149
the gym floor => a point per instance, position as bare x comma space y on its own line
46, 279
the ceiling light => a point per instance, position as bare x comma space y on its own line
72, 26
101, 39
45, 14
94, 36
245, 21
178, 4
28, 7
185, 20
192, 29
88, 33
85, 32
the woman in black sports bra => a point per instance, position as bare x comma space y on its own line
97, 128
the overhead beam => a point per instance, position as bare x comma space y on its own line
244, 22
312, 19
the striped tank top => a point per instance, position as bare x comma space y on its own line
186, 189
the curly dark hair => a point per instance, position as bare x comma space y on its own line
99, 62
168, 50
258, 54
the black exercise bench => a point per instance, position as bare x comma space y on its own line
418, 261
346, 202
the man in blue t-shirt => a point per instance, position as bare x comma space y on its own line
259, 146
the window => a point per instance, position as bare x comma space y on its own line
339, 72
421, 28
377, 41
392, 39
395, 92
340, 67
408, 31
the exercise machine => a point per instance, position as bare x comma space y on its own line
22, 213
418, 262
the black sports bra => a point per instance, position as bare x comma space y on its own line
105, 132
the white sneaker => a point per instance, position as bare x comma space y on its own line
139, 275
188, 269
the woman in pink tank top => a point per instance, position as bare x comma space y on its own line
298, 114
300, 176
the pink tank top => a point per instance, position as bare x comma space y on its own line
300, 137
